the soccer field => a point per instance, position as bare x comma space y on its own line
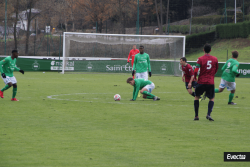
72, 120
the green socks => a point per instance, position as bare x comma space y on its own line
216, 90
14, 92
149, 95
5, 88
231, 96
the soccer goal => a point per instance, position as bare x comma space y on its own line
89, 52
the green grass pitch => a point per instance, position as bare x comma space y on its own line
72, 120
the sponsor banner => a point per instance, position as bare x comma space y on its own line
236, 156
112, 66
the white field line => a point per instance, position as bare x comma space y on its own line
56, 97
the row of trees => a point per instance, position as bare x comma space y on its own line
75, 15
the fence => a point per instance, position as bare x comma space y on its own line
110, 66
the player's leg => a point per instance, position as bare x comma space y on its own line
231, 87
14, 82
210, 94
138, 75
198, 92
223, 84
14, 93
144, 75
189, 89
8, 84
146, 91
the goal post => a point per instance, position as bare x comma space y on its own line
78, 48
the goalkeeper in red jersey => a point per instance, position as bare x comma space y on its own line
7, 66
208, 65
132, 54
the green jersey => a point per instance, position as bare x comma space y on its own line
139, 84
142, 63
230, 70
8, 65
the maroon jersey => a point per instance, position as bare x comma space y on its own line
208, 68
188, 72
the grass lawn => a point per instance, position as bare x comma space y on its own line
220, 47
72, 120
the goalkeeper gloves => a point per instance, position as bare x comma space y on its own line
237, 75
133, 72
149, 73
3, 75
21, 71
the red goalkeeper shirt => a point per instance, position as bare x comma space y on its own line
133, 53
208, 68
188, 72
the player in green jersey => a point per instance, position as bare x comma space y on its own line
144, 86
228, 76
142, 65
7, 66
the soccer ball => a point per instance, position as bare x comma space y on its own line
117, 97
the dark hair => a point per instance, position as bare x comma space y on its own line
129, 79
183, 59
235, 54
14, 51
207, 48
141, 46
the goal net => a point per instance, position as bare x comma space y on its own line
89, 52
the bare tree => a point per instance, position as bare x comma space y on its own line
167, 16
16, 7
157, 14
30, 4
97, 11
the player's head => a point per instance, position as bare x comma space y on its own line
131, 81
15, 53
141, 49
134, 47
183, 61
207, 48
235, 54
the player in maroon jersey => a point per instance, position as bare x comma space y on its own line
188, 76
208, 65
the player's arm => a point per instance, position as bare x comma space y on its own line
136, 91
217, 67
129, 55
183, 75
191, 73
16, 68
135, 62
4, 61
196, 70
149, 66
224, 67
235, 69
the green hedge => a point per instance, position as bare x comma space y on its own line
184, 29
198, 40
239, 30
211, 20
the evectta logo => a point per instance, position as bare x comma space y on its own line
236, 156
